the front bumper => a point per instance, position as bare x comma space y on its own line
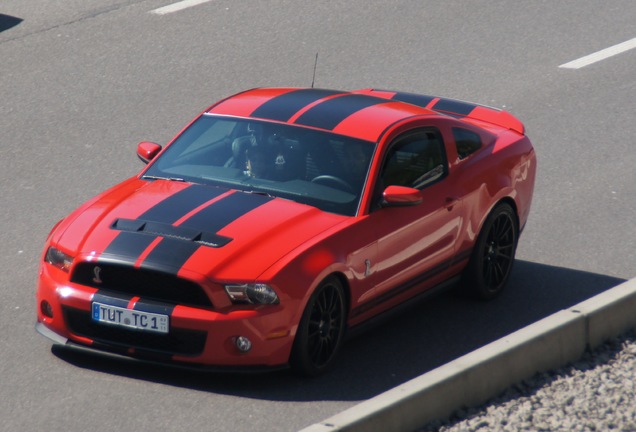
70, 345
197, 338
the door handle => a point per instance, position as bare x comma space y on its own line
450, 202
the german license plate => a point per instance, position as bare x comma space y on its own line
132, 319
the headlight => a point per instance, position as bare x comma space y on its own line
58, 259
252, 293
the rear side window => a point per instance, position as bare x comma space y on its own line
467, 142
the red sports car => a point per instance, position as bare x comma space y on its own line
279, 219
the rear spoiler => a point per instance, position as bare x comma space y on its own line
474, 111
454, 108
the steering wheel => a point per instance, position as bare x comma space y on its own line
333, 181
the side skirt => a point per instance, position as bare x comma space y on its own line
385, 316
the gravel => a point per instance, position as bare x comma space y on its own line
597, 393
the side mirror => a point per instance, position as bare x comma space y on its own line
399, 196
146, 151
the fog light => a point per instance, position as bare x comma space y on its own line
46, 309
243, 344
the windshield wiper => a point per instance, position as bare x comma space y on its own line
256, 192
152, 177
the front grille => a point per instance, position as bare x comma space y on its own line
146, 283
178, 341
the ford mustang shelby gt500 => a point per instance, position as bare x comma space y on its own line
281, 217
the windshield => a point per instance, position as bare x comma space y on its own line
312, 167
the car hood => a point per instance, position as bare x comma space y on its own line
180, 227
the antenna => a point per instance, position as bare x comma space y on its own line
314, 77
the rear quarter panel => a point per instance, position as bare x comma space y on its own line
503, 169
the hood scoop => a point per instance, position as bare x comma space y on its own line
170, 231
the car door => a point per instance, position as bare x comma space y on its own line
415, 243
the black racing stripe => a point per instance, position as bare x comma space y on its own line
129, 245
122, 301
182, 202
328, 114
221, 213
112, 299
462, 256
283, 107
171, 253
153, 307
171, 231
454, 106
411, 283
413, 99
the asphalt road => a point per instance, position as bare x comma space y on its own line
82, 82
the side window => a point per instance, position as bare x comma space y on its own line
467, 142
415, 160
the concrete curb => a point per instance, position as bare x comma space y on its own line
482, 374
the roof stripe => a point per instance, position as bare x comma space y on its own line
283, 107
454, 106
414, 99
244, 103
328, 114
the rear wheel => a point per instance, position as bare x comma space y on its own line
493, 256
321, 329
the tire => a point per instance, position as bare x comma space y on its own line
493, 256
321, 330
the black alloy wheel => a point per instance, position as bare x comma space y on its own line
321, 329
493, 256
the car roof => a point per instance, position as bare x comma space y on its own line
363, 114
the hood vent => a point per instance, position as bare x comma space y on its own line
170, 231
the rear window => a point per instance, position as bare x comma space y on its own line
467, 142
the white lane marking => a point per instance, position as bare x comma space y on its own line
175, 7
600, 55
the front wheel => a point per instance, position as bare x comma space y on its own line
493, 255
321, 329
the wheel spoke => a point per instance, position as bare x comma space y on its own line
498, 252
504, 257
321, 303
313, 328
487, 273
498, 274
328, 301
315, 347
503, 227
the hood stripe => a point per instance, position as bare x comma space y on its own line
221, 213
127, 246
283, 107
182, 202
167, 230
328, 114
171, 253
